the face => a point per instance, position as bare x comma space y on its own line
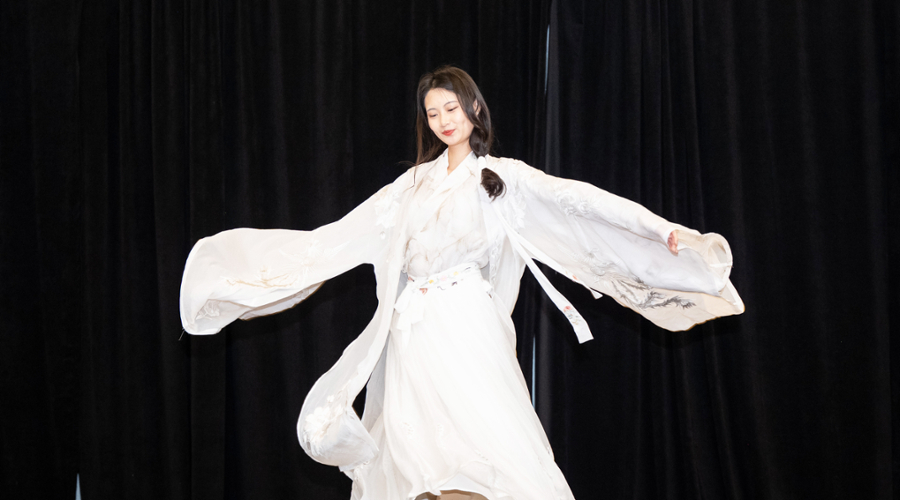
446, 117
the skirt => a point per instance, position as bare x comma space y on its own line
457, 414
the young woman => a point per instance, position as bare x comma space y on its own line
447, 408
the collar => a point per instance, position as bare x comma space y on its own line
470, 162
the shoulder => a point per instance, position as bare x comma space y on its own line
416, 173
507, 164
408, 179
499, 163
511, 170
405, 180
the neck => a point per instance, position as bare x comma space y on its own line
456, 154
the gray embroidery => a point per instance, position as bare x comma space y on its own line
640, 296
630, 289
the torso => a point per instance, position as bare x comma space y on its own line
452, 233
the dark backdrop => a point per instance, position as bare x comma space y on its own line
129, 130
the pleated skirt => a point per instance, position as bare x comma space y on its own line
457, 414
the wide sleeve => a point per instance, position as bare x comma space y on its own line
244, 273
616, 247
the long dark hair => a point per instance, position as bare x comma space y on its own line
429, 147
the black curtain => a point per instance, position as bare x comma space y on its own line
774, 124
129, 130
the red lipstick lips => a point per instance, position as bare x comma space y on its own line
448, 132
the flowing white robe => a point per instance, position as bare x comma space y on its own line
608, 244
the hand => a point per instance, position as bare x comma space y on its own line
673, 242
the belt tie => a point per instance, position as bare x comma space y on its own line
410, 305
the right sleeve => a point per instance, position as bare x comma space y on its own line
617, 247
244, 273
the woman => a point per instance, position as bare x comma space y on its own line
447, 408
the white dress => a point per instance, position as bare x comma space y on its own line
457, 413
446, 403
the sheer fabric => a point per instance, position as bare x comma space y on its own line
453, 233
427, 222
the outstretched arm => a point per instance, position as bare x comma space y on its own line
244, 273
672, 275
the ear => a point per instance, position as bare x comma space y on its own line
476, 107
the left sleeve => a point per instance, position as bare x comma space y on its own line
616, 247
244, 273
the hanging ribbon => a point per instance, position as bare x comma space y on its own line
582, 331
410, 305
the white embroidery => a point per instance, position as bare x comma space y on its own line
386, 208
570, 204
593, 265
514, 209
313, 256
210, 309
494, 260
317, 423
316, 426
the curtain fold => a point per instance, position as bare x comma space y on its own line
132, 130
760, 121
129, 131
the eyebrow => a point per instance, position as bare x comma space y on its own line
446, 103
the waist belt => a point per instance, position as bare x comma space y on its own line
410, 305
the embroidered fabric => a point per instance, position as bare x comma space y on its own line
410, 304
609, 245
438, 239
